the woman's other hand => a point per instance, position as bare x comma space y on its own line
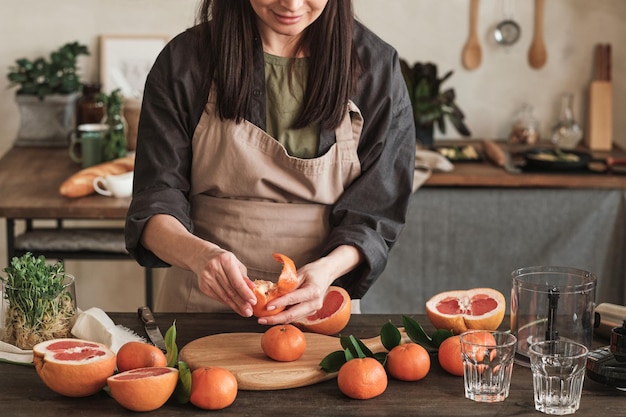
316, 277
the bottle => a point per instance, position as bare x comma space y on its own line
89, 108
566, 134
525, 129
115, 145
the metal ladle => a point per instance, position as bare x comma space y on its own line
507, 32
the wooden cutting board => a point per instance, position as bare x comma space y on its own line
241, 354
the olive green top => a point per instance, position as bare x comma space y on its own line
284, 101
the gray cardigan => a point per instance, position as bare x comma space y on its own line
371, 213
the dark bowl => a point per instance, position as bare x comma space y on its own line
547, 159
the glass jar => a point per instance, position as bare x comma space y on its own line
89, 108
566, 134
525, 129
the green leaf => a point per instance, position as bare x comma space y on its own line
390, 335
348, 354
356, 346
183, 386
333, 361
170, 345
417, 334
381, 357
440, 335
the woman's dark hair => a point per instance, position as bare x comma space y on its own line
333, 69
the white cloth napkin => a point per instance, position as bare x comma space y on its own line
425, 163
92, 324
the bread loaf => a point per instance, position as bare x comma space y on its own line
494, 153
81, 183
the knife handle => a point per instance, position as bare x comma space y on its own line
146, 315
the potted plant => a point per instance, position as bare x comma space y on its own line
46, 95
38, 300
431, 106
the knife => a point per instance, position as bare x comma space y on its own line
153, 331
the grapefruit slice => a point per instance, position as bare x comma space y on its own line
73, 367
143, 389
461, 310
333, 316
265, 291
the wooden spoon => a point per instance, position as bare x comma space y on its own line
537, 55
472, 54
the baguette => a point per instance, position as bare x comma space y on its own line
494, 153
80, 184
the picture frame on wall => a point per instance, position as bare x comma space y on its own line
125, 61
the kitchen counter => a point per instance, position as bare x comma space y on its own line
473, 226
22, 394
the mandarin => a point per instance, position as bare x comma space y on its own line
213, 388
408, 362
362, 378
266, 291
283, 343
133, 355
449, 356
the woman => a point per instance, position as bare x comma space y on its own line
305, 146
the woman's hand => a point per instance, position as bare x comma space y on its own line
316, 277
223, 277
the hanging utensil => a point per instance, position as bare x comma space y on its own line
537, 54
472, 54
507, 32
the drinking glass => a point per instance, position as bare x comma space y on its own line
487, 364
558, 368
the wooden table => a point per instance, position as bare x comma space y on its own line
29, 199
486, 174
473, 226
22, 394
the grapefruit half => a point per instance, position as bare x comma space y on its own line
462, 310
143, 389
333, 316
73, 367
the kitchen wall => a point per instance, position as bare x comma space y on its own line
421, 30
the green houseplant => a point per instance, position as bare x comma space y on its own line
46, 95
431, 105
38, 300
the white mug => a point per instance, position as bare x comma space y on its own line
120, 185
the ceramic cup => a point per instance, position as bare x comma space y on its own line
87, 144
114, 185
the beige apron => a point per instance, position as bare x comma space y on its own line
251, 198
